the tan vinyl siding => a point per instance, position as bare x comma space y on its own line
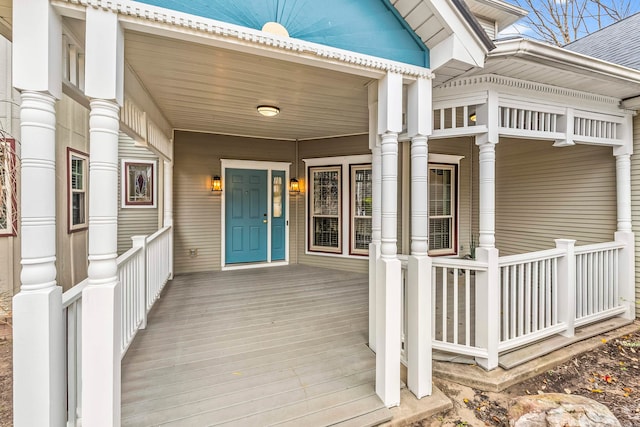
196, 209
545, 193
635, 199
334, 147
72, 130
137, 221
460, 147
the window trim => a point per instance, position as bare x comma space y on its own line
352, 201
344, 161
72, 228
453, 238
311, 216
124, 187
12, 193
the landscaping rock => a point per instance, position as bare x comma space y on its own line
559, 410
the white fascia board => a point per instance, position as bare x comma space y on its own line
452, 48
561, 58
632, 103
464, 38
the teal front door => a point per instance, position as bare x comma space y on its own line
246, 217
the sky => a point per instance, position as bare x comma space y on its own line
523, 27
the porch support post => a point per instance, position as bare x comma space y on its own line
567, 285
167, 220
418, 340
38, 323
624, 234
488, 282
101, 299
376, 206
388, 300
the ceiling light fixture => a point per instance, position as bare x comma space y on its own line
268, 110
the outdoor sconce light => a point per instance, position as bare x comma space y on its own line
216, 184
473, 117
294, 186
268, 110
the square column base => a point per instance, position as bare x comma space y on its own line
38, 358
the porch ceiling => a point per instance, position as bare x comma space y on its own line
207, 89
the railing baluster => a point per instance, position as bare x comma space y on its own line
536, 295
445, 302
455, 306
467, 306
527, 305
505, 303
513, 297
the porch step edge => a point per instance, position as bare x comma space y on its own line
556, 342
412, 410
499, 379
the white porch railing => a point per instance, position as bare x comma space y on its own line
529, 297
72, 312
143, 272
536, 294
597, 282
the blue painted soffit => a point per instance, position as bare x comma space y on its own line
371, 27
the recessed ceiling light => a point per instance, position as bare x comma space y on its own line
268, 110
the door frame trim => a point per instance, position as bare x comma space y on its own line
255, 165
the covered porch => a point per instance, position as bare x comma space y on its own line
282, 345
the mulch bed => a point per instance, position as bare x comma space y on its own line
6, 383
610, 374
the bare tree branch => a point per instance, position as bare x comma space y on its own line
561, 21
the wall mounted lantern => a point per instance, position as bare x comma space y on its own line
216, 184
294, 186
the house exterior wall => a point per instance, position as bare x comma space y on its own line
635, 200
137, 221
196, 210
72, 131
545, 193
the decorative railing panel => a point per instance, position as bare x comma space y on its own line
143, 272
595, 128
453, 286
72, 312
597, 282
131, 273
529, 296
527, 119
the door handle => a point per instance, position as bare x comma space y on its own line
265, 220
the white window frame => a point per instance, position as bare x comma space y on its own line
345, 162
352, 213
312, 216
7, 164
453, 233
72, 155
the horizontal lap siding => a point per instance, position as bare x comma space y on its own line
196, 209
635, 198
137, 221
545, 193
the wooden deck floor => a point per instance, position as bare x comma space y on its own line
281, 345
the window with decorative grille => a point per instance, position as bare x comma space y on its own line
325, 209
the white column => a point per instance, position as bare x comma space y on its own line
488, 282
626, 258
38, 348
418, 340
567, 285
168, 208
487, 195
623, 191
376, 206
38, 323
388, 295
101, 299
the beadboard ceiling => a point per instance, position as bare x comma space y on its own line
209, 89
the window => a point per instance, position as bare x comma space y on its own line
78, 174
442, 209
361, 199
325, 209
8, 222
138, 184
277, 197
